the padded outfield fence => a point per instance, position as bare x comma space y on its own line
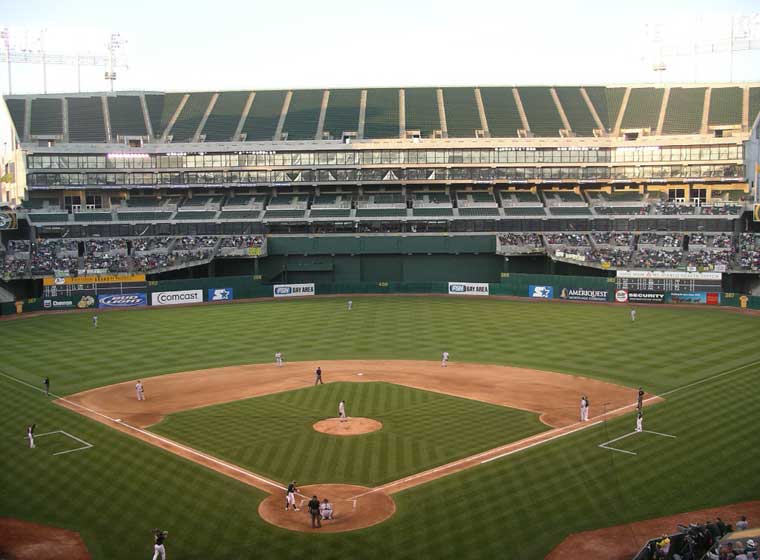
228, 288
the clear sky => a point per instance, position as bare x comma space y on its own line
239, 44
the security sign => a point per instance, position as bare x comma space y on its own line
8, 220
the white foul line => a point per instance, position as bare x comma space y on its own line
605, 445
706, 379
162, 439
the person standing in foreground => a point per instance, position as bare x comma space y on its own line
316, 522
290, 496
30, 435
444, 359
140, 390
318, 377
342, 411
46, 384
159, 537
278, 358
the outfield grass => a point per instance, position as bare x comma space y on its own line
520, 506
273, 434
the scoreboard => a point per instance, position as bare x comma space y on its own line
68, 286
669, 281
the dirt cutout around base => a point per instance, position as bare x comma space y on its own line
349, 514
352, 426
21, 540
622, 542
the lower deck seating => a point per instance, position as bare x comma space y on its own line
478, 212
433, 212
378, 212
330, 213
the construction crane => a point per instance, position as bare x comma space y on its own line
10, 54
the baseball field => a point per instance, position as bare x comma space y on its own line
516, 374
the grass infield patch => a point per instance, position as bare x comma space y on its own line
273, 434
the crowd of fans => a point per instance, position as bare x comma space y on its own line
722, 210
617, 239
153, 261
520, 239
615, 257
669, 208
708, 259
657, 258
243, 241
612, 210
749, 251
567, 239
105, 247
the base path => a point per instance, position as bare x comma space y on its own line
350, 514
554, 396
350, 427
20, 540
622, 542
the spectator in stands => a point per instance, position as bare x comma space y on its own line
662, 547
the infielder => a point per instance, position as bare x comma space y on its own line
94, 321
278, 358
640, 399
46, 384
158, 544
342, 411
350, 303
639, 422
140, 390
633, 315
584, 408
318, 377
30, 435
444, 359
290, 496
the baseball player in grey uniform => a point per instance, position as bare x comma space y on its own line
94, 321
140, 390
30, 435
584, 408
290, 496
278, 358
639, 422
342, 411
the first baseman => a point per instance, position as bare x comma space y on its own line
290, 496
584, 408
140, 390
640, 400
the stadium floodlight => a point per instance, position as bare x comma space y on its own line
22, 46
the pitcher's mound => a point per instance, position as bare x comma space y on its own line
351, 427
351, 510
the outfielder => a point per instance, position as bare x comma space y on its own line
350, 303
30, 435
633, 315
158, 544
94, 321
140, 390
444, 359
278, 358
639, 422
342, 411
290, 496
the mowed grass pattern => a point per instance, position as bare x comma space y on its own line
273, 435
664, 348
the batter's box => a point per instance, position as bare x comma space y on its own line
638, 444
60, 442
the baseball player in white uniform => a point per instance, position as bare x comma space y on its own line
158, 544
444, 359
640, 422
290, 496
278, 358
350, 304
30, 435
584, 408
95, 321
342, 411
633, 315
140, 390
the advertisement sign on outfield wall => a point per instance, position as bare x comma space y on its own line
76, 302
638, 296
219, 294
705, 298
543, 292
293, 290
176, 298
138, 299
468, 289
583, 294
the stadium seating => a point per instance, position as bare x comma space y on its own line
47, 116
239, 200
86, 122
239, 215
422, 111
725, 106
570, 211
381, 118
542, 114
187, 123
421, 212
577, 112
462, 118
225, 116
380, 212
684, 111
93, 217
330, 213
17, 111
524, 211
342, 113
288, 214
47, 217
264, 115
161, 108
607, 103
143, 216
501, 112
622, 210
303, 114
196, 215
643, 108
126, 116
754, 104
476, 211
